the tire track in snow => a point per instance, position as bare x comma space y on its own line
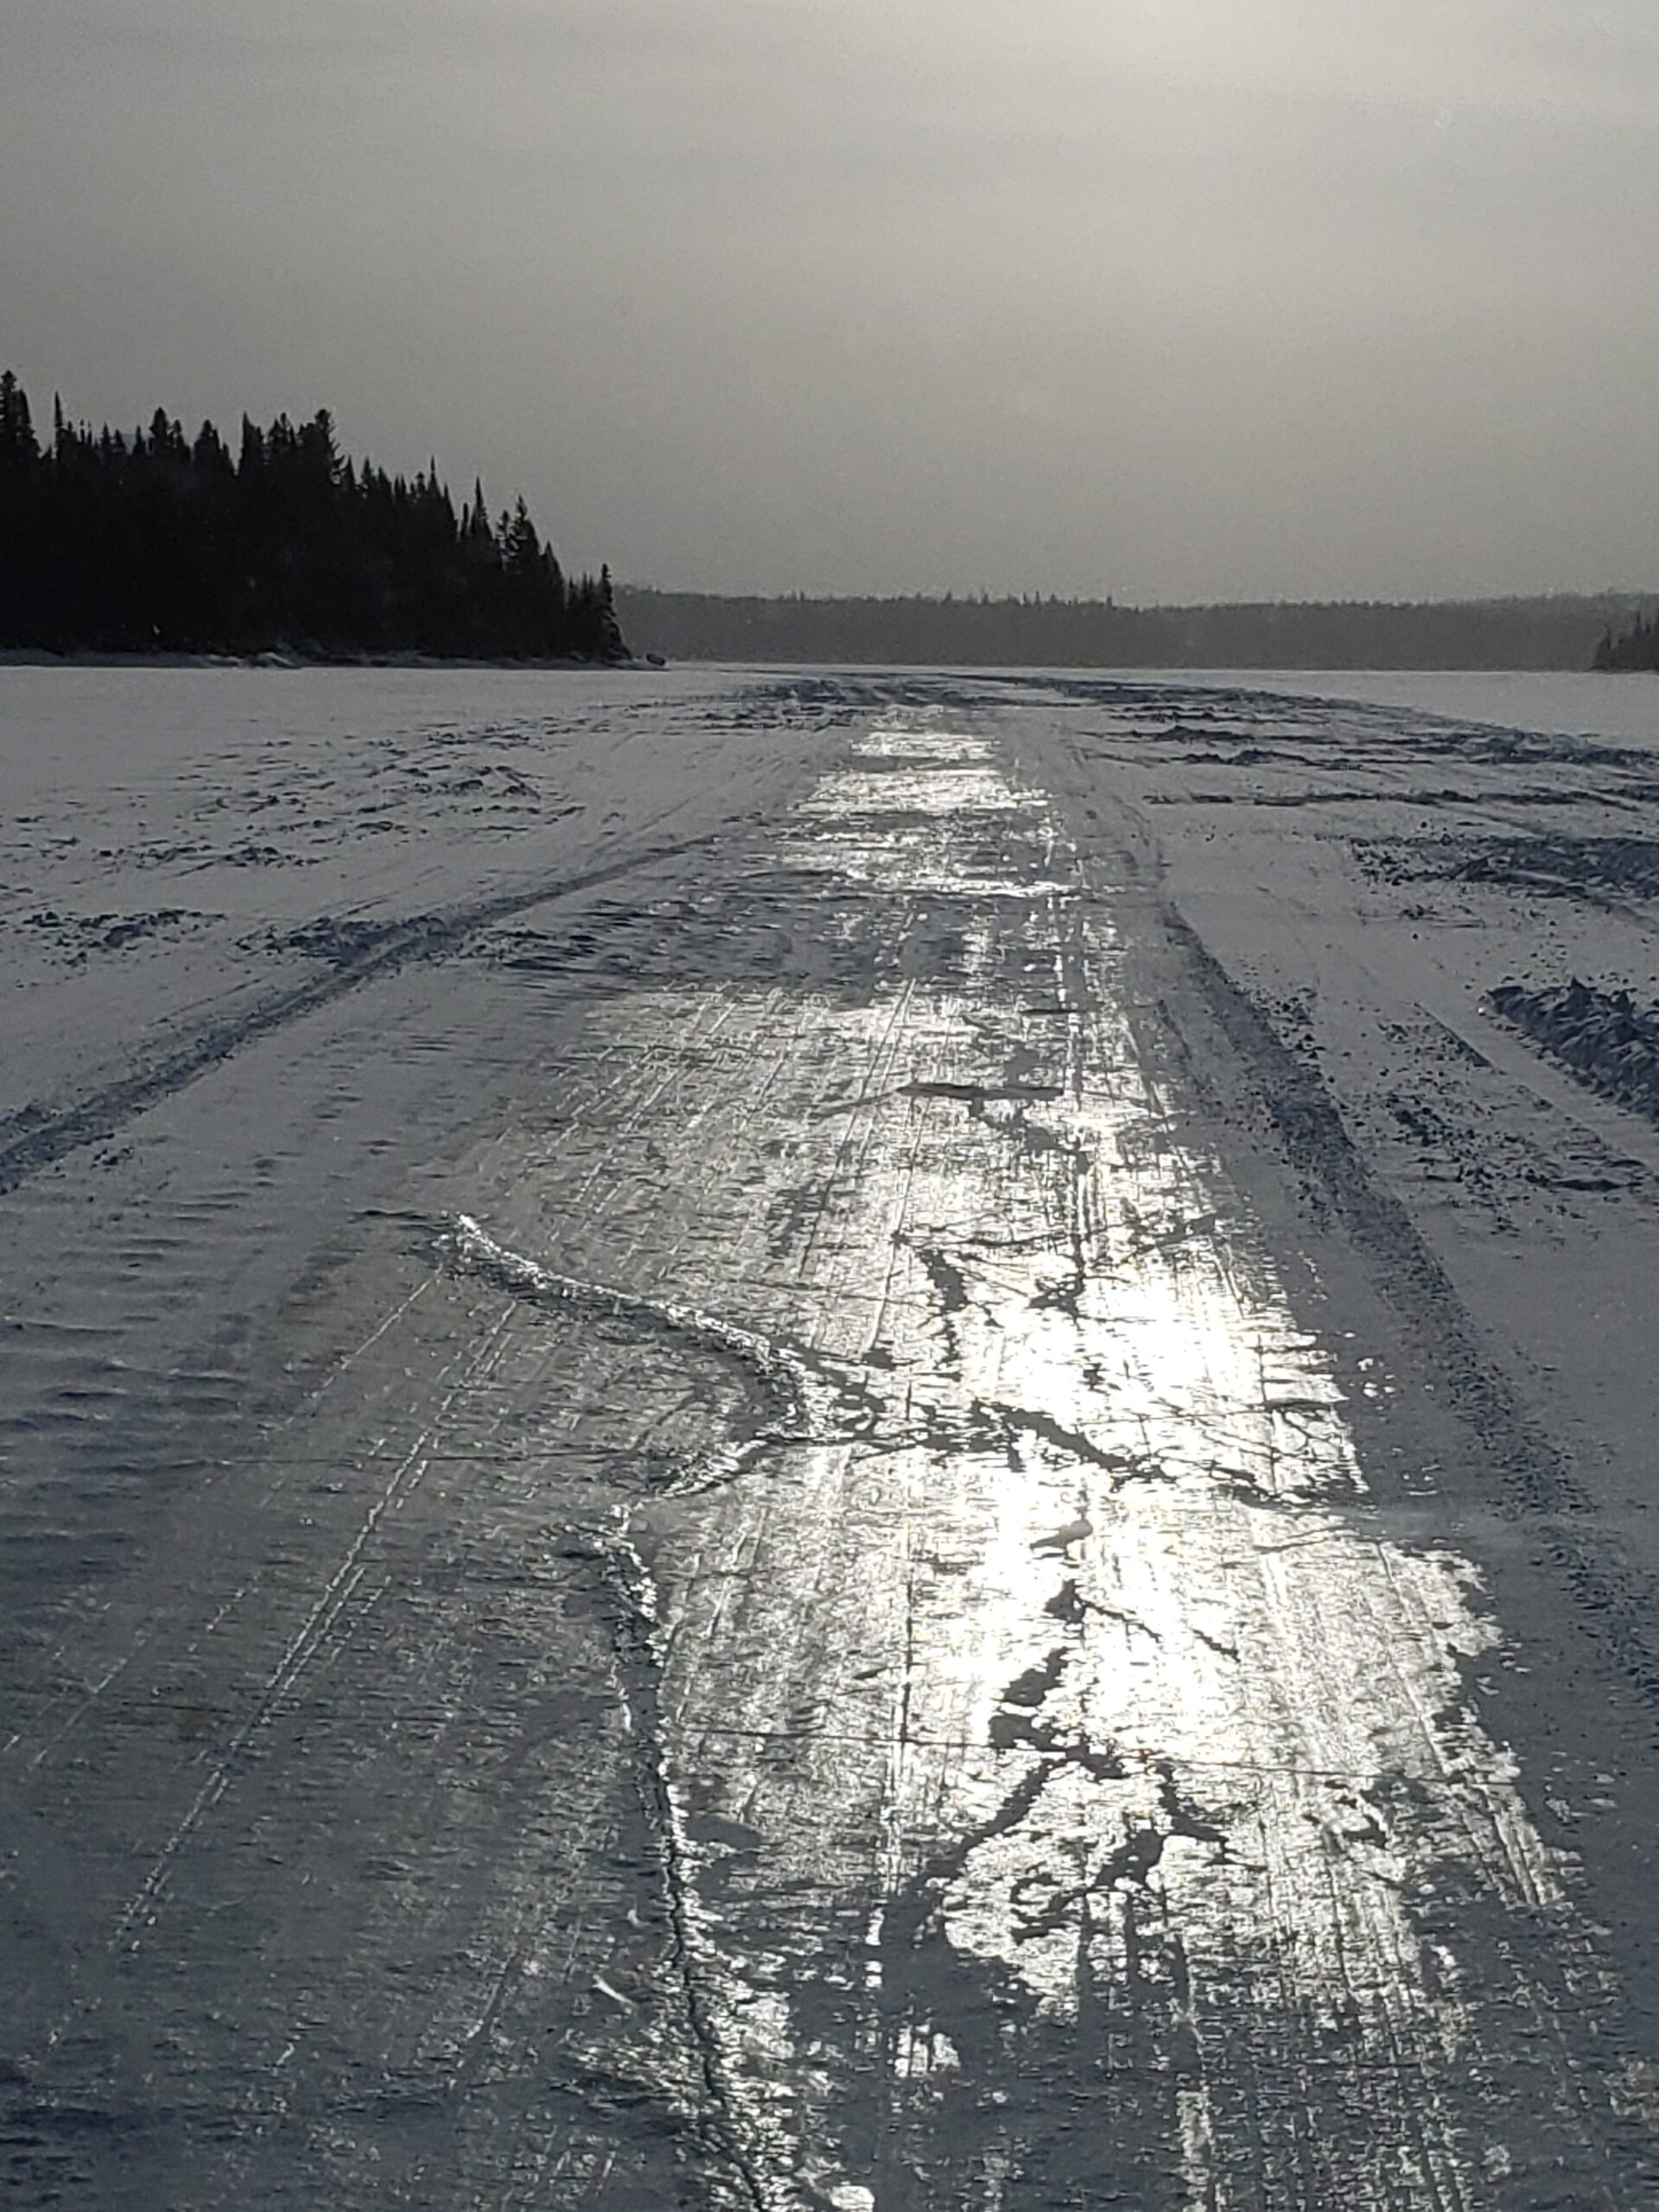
335, 1602
42, 1136
1615, 1600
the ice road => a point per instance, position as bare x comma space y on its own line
823, 1441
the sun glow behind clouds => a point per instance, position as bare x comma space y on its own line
1182, 299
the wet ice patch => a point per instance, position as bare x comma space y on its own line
939, 817
899, 791
1179, 1735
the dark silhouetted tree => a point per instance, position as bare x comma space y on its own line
1635, 648
151, 541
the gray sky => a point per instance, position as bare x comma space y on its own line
1167, 298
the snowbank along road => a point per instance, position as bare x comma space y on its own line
829, 1441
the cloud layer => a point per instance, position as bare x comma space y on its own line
1175, 298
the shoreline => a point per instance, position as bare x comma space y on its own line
38, 656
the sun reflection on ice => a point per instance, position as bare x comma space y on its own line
1174, 1708
1049, 1711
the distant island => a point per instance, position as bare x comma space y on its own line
1634, 648
1557, 631
151, 542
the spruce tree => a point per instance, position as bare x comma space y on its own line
150, 540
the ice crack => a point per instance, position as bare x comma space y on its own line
791, 1403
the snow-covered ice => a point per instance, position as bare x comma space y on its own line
817, 1439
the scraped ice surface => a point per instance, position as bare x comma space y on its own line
788, 1440
1175, 1735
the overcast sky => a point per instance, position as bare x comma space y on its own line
1167, 298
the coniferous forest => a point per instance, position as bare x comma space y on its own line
1634, 648
151, 542
1559, 631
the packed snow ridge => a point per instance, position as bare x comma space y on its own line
1603, 1036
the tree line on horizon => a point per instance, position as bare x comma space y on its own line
151, 541
1632, 649
1555, 631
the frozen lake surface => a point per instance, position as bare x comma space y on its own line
827, 1441
1625, 708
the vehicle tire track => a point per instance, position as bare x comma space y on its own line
42, 1136
1613, 1600
334, 1600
